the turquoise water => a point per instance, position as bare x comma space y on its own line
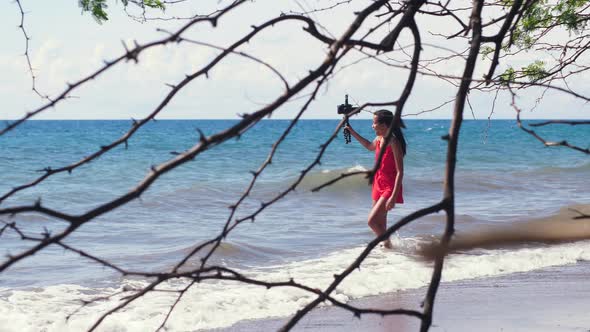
503, 175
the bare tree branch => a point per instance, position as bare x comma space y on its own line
27, 56
537, 136
131, 54
566, 122
391, 19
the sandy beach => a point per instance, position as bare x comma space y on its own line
551, 299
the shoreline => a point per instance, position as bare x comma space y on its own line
549, 299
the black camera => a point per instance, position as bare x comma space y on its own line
345, 108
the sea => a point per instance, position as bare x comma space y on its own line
504, 176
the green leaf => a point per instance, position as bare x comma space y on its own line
485, 51
98, 7
535, 71
509, 75
154, 4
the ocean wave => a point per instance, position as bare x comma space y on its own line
184, 196
582, 167
234, 253
464, 181
354, 182
221, 304
481, 182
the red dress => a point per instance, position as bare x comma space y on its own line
384, 180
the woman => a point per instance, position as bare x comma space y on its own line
387, 183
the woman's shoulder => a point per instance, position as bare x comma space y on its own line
394, 143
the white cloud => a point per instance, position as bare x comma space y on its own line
67, 51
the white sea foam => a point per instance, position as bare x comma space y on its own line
219, 304
356, 168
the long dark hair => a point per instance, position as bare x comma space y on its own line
386, 117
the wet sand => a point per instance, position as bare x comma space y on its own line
551, 299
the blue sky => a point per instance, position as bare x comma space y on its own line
67, 46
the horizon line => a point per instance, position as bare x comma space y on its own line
282, 119
278, 119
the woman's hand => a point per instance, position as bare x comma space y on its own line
390, 204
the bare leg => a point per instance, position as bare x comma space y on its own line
378, 220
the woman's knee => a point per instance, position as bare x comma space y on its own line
372, 222
375, 220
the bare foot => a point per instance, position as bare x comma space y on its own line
387, 244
